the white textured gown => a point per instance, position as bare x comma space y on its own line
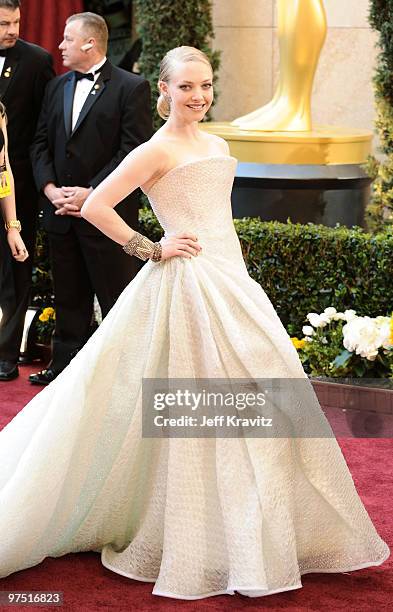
197, 517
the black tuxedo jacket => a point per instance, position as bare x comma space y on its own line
27, 70
115, 119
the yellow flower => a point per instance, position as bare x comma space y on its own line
47, 314
298, 344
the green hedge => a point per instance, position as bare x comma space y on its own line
302, 268
305, 268
380, 210
164, 24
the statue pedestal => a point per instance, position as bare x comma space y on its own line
302, 193
305, 176
323, 146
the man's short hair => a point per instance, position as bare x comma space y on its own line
92, 25
10, 4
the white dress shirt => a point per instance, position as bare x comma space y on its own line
82, 90
2, 62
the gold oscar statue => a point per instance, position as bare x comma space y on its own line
281, 132
302, 31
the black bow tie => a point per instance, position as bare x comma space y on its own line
3, 52
85, 75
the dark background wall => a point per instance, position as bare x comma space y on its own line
42, 22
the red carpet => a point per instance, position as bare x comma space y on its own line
87, 586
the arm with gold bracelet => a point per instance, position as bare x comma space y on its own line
7, 203
138, 169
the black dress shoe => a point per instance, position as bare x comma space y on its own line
8, 370
44, 377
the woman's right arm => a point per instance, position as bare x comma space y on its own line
140, 166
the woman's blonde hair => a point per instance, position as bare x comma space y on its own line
176, 56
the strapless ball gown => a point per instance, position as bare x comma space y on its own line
196, 517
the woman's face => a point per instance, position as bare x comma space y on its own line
190, 90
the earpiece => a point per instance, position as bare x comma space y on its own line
86, 47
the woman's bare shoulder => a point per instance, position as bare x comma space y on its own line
159, 156
154, 150
218, 142
149, 160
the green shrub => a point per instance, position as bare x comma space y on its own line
302, 268
380, 210
165, 24
306, 268
42, 284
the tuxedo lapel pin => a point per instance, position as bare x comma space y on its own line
95, 89
7, 72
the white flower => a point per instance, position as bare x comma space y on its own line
318, 320
349, 315
384, 330
308, 330
339, 316
313, 318
308, 339
324, 319
330, 311
364, 336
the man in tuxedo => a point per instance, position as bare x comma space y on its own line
91, 119
25, 70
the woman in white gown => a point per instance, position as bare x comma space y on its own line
196, 517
